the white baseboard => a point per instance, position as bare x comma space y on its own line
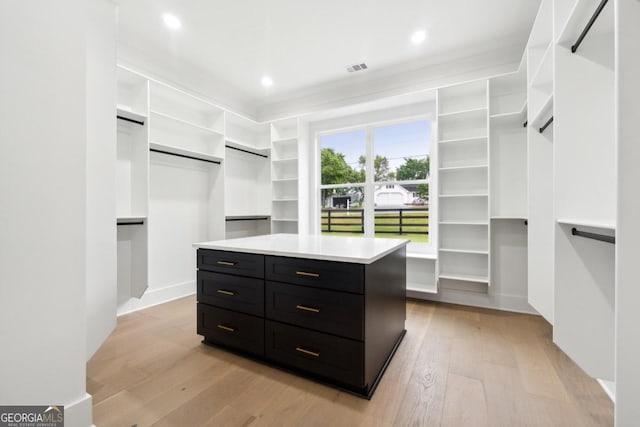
515, 303
158, 296
609, 387
79, 413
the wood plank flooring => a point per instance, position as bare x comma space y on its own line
457, 366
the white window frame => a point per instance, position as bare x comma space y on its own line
369, 184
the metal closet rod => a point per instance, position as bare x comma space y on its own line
257, 218
131, 223
155, 150
589, 25
594, 236
546, 125
126, 119
247, 151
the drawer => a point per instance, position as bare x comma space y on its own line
250, 265
338, 359
334, 312
233, 292
339, 276
236, 330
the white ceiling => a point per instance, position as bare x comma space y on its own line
302, 44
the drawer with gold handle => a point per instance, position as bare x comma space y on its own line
338, 276
335, 358
241, 264
323, 310
243, 294
231, 329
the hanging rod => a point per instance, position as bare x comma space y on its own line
155, 150
247, 218
131, 223
546, 125
594, 236
247, 151
589, 25
127, 119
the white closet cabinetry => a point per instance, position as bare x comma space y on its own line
132, 185
285, 176
463, 174
540, 163
247, 177
584, 152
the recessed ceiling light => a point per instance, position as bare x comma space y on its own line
266, 81
418, 37
171, 21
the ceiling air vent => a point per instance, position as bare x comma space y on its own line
357, 67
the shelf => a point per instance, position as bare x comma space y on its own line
542, 78
417, 255
458, 140
419, 288
284, 219
463, 195
539, 118
195, 155
588, 223
285, 140
177, 125
464, 223
513, 117
473, 111
464, 277
130, 219
284, 200
465, 251
290, 160
463, 116
455, 168
518, 217
285, 180
579, 17
126, 112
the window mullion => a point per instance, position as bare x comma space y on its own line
369, 188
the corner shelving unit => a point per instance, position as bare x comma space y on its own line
463, 252
247, 177
132, 185
285, 176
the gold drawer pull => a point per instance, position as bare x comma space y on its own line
227, 263
309, 352
226, 328
305, 308
223, 292
304, 273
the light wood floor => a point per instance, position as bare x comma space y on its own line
457, 366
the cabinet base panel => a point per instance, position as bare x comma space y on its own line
365, 393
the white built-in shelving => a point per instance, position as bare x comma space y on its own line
132, 185
285, 174
463, 115
584, 185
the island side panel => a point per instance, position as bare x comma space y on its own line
385, 310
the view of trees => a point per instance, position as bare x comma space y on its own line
336, 170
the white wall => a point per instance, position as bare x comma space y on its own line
628, 228
43, 211
101, 157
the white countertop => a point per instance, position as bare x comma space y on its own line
362, 250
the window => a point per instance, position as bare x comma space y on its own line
374, 181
